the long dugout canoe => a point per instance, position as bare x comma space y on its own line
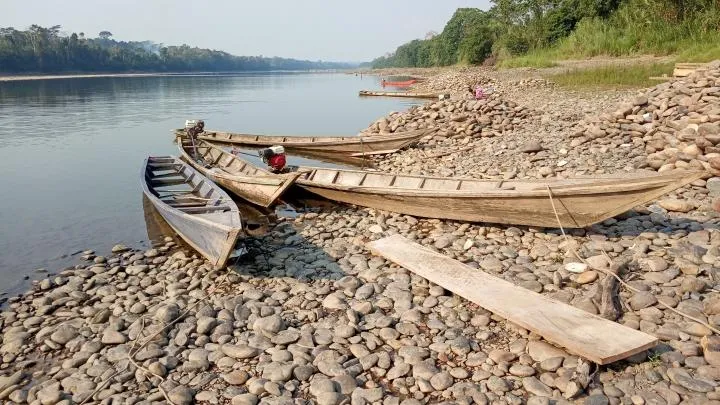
577, 202
572, 203
350, 146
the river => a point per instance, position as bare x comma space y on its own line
71, 149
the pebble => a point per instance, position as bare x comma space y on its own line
587, 277
681, 377
522, 370
181, 395
535, 387
63, 334
541, 351
497, 384
441, 381
245, 399
236, 377
239, 351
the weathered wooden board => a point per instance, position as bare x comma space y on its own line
580, 332
686, 69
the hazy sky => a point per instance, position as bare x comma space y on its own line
307, 29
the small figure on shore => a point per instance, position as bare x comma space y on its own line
479, 94
383, 82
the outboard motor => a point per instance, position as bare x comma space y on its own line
274, 157
194, 127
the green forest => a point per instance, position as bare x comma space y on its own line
47, 50
535, 32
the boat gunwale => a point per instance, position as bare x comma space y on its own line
598, 186
281, 181
231, 232
232, 206
313, 141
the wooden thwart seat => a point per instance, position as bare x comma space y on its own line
204, 208
197, 209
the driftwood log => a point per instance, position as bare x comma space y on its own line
606, 295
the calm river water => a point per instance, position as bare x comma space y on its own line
71, 149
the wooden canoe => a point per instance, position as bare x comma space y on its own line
579, 202
196, 209
402, 94
353, 146
255, 185
404, 83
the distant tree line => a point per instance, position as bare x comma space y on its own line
518, 27
45, 49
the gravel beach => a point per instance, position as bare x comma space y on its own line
311, 317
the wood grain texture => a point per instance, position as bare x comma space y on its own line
354, 146
201, 213
579, 202
580, 332
398, 94
256, 185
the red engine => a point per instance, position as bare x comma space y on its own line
274, 157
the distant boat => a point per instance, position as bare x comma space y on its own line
256, 185
366, 93
578, 202
399, 84
322, 146
198, 210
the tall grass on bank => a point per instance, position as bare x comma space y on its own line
638, 27
536, 59
616, 76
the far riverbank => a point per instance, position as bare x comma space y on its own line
12, 78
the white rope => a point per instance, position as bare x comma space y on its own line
626, 285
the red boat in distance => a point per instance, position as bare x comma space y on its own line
399, 84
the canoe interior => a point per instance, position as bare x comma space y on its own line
197, 209
356, 179
213, 156
300, 140
244, 179
178, 186
578, 202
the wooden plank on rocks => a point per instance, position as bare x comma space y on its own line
580, 332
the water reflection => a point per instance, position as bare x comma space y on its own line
71, 149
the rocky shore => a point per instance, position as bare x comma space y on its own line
311, 317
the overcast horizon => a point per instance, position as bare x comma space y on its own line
312, 29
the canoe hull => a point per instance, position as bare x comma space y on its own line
573, 210
213, 233
355, 146
213, 243
262, 190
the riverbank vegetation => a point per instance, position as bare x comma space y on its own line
539, 32
628, 75
47, 50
